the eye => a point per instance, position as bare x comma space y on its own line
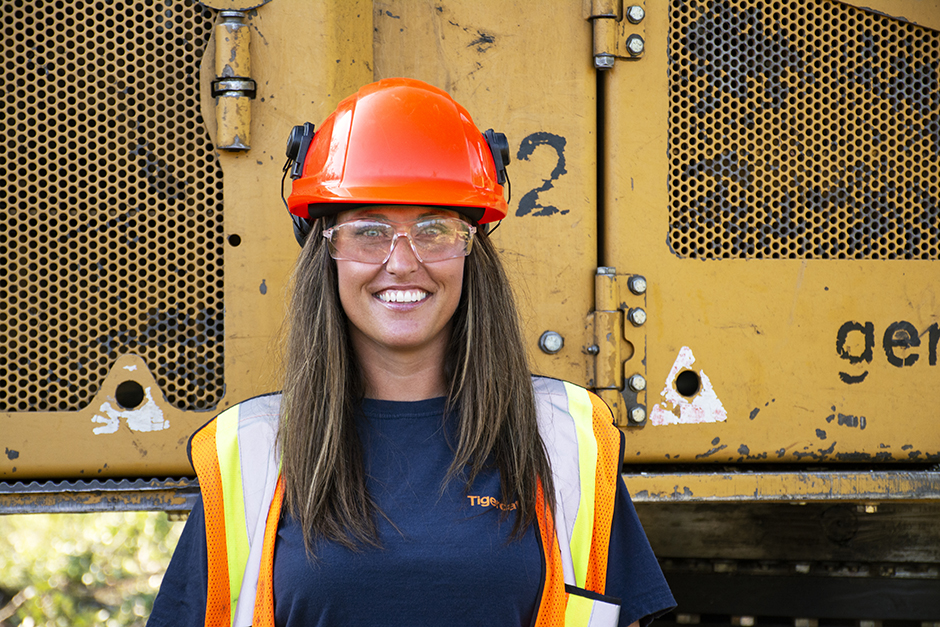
433, 229
370, 230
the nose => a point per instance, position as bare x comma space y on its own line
402, 259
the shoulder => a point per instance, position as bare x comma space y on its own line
252, 419
569, 398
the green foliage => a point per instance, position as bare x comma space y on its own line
73, 570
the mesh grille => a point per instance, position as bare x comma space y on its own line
112, 199
802, 129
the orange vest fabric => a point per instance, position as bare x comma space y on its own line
237, 464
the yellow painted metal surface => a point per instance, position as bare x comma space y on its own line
99, 438
808, 357
864, 487
496, 59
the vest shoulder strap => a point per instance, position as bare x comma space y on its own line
239, 443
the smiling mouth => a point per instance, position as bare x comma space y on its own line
402, 296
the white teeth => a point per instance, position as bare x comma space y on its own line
402, 296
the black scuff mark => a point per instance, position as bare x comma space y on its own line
907, 447
716, 441
820, 434
483, 42
396, 17
11, 454
744, 450
754, 413
780, 452
819, 455
642, 494
711, 452
263, 288
686, 492
914, 454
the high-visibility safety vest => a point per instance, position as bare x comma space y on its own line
237, 463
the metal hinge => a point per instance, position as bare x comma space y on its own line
617, 369
619, 30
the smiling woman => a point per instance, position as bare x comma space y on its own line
412, 471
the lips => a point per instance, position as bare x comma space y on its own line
402, 296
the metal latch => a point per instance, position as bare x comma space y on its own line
619, 30
617, 371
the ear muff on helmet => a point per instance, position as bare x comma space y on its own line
298, 143
398, 141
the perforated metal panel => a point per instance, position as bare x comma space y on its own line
802, 129
112, 198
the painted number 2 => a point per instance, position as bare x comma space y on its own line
529, 204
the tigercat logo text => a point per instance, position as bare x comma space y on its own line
491, 501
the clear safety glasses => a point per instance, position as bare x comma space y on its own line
371, 241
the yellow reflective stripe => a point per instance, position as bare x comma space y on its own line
578, 612
236, 533
581, 410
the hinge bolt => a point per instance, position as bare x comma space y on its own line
551, 342
637, 284
637, 383
637, 316
635, 14
593, 349
606, 271
637, 415
635, 45
604, 61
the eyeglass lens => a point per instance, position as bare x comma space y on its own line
371, 242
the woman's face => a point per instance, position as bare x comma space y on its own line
403, 306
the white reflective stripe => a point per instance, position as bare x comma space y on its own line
257, 436
604, 614
561, 442
581, 410
236, 537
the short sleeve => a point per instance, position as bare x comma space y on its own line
633, 574
182, 597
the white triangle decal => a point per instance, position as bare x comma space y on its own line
676, 409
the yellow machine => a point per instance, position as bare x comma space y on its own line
724, 217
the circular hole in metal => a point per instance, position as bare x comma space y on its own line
687, 383
129, 394
234, 239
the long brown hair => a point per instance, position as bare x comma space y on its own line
489, 385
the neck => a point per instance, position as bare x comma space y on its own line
401, 376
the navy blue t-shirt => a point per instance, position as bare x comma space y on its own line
445, 559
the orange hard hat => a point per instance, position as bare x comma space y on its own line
398, 141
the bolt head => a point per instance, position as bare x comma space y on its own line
637, 284
593, 349
637, 414
637, 316
637, 383
551, 342
635, 14
604, 61
635, 45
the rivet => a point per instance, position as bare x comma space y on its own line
637, 284
637, 316
551, 342
635, 45
593, 349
